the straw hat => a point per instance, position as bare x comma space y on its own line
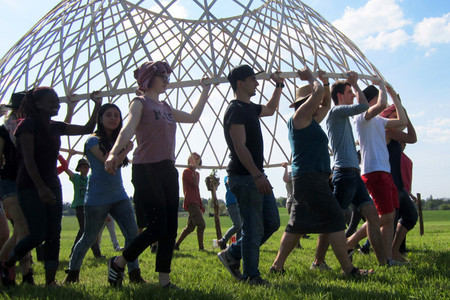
301, 94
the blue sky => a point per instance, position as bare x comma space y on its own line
409, 43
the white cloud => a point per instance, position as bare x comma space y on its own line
377, 25
436, 131
387, 40
430, 52
433, 31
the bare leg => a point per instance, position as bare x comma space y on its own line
287, 244
20, 231
398, 239
387, 232
357, 236
374, 233
339, 245
322, 247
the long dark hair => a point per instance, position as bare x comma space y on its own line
106, 142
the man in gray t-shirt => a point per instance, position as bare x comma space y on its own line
348, 185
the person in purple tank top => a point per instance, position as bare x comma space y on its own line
154, 175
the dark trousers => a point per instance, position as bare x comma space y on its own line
156, 191
44, 222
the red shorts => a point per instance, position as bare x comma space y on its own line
383, 191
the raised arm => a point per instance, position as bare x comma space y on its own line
90, 125
192, 117
67, 170
402, 119
381, 103
353, 81
126, 133
304, 114
286, 177
70, 109
272, 105
325, 105
238, 136
409, 136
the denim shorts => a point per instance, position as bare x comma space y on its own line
350, 189
8, 188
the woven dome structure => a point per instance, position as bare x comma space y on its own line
86, 45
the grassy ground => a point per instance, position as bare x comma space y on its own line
200, 275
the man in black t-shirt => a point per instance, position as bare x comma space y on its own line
247, 180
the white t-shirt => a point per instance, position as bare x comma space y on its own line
372, 140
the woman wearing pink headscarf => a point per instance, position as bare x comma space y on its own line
154, 175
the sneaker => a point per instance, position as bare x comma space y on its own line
231, 264
119, 249
321, 267
258, 281
356, 272
396, 263
115, 273
222, 244
8, 275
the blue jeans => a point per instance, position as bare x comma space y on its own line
260, 219
233, 211
44, 223
94, 218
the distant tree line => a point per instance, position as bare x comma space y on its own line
436, 204
428, 204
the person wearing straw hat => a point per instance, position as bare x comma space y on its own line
315, 209
246, 178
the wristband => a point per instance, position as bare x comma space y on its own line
326, 84
279, 85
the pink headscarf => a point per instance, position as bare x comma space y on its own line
144, 74
388, 111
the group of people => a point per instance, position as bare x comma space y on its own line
33, 196
374, 189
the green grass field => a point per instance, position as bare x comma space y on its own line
200, 275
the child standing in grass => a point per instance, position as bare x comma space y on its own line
192, 202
